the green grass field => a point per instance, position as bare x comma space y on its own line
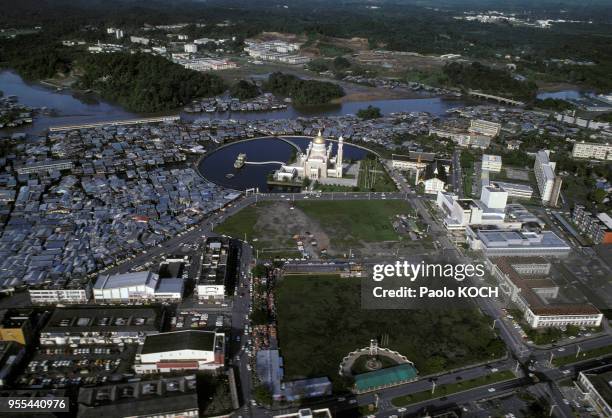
348, 222
243, 222
320, 320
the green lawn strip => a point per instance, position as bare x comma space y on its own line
586, 355
467, 182
450, 388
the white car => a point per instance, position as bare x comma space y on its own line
491, 390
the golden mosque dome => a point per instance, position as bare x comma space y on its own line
319, 138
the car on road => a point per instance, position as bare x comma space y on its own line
491, 390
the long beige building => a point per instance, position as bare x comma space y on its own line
592, 150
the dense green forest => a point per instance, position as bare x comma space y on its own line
244, 90
402, 26
554, 104
476, 76
370, 112
303, 92
145, 83
45, 56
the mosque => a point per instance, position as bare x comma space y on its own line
316, 164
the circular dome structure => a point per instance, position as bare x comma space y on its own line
319, 138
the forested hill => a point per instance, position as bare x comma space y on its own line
145, 83
303, 92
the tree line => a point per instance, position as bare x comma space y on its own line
303, 92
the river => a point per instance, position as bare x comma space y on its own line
71, 110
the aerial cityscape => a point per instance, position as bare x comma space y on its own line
323, 208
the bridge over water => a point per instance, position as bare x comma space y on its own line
499, 99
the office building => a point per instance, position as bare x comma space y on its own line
170, 397
592, 150
534, 294
496, 242
491, 163
548, 184
597, 227
136, 288
100, 325
596, 387
180, 351
459, 213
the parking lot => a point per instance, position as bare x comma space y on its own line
62, 366
199, 319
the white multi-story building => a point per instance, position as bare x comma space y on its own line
535, 296
206, 64
592, 150
180, 351
462, 138
275, 51
434, 185
64, 296
491, 163
521, 191
515, 242
489, 210
139, 40
484, 127
191, 48
596, 387
136, 288
548, 183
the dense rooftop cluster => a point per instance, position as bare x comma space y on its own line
124, 193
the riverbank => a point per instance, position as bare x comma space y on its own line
73, 109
